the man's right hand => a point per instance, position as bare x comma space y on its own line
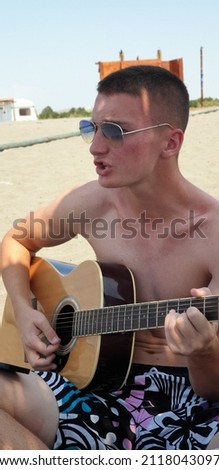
39, 339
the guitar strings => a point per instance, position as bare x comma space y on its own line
110, 319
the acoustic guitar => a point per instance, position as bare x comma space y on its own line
93, 309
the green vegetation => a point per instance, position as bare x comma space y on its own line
206, 103
48, 113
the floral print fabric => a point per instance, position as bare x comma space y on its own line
156, 409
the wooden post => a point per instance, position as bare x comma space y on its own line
201, 76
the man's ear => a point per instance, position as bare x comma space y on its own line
173, 144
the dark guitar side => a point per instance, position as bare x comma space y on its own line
92, 362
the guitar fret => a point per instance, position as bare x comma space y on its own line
94, 322
98, 322
135, 317
139, 320
85, 325
148, 311
109, 320
90, 322
124, 324
107, 328
142, 317
82, 324
152, 316
85, 329
129, 312
102, 324
131, 315
77, 324
112, 319
116, 316
117, 322
161, 314
122, 318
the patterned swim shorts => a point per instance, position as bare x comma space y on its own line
156, 409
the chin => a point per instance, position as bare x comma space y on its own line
106, 183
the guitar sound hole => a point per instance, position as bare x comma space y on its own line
64, 324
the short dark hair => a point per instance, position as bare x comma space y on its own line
168, 94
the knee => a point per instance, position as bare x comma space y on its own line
214, 443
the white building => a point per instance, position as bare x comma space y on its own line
17, 110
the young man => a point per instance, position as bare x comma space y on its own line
165, 230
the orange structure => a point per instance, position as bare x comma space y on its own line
174, 65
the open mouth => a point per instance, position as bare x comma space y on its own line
101, 168
101, 165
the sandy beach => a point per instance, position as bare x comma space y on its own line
31, 176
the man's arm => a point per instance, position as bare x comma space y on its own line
16, 259
193, 336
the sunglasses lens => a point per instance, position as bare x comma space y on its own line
113, 133
87, 130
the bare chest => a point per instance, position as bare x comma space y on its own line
162, 269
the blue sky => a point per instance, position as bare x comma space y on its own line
49, 48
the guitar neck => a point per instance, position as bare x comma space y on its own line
139, 316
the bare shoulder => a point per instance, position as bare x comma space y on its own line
203, 217
211, 212
208, 220
210, 248
89, 197
205, 205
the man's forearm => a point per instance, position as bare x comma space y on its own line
204, 373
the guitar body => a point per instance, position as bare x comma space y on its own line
99, 361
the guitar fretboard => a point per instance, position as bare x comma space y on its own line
139, 316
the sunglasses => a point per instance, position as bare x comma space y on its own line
110, 130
